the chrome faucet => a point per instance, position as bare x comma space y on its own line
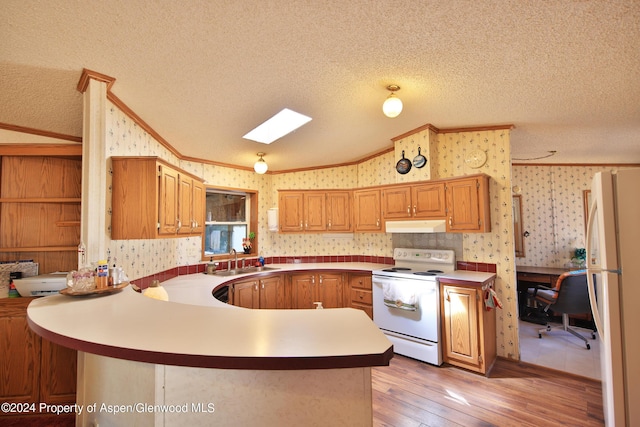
235, 267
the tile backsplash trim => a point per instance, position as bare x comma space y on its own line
162, 276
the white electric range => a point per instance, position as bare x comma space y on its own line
406, 301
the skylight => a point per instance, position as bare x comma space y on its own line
283, 123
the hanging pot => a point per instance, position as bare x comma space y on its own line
419, 160
404, 165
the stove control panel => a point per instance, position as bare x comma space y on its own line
424, 255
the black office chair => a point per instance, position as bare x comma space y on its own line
568, 296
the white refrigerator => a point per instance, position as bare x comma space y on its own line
613, 262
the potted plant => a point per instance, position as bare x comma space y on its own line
247, 242
579, 258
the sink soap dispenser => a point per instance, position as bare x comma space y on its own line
156, 291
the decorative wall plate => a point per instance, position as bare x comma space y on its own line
475, 158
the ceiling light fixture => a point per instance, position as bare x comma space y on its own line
260, 166
281, 124
392, 106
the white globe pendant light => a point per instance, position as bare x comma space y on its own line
392, 106
260, 166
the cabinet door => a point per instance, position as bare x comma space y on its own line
468, 205
198, 207
290, 212
315, 218
428, 201
168, 200
20, 362
245, 294
396, 203
135, 199
273, 293
339, 211
58, 373
461, 325
330, 291
367, 210
303, 292
185, 197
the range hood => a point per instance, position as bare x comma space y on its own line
417, 226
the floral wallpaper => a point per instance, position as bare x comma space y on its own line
445, 158
448, 151
553, 211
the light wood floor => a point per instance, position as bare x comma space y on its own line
413, 393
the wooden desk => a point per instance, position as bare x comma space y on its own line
532, 277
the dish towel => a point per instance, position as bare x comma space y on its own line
396, 296
491, 300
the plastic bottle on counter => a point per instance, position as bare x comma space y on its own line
156, 291
102, 277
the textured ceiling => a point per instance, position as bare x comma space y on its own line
203, 73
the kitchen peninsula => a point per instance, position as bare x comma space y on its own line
214, 363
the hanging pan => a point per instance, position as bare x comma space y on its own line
404, 165
419, 160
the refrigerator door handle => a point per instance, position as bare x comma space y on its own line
590, 284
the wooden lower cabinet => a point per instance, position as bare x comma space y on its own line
32, 369
360, 292
307, 288
302, 290
469, 330
269, 292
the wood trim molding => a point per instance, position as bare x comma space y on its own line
58, 150
90, 74
613, 165
144, 125
477, 128
32, 131
416, 130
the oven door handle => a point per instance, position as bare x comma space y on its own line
399, 305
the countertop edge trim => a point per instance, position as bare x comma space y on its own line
218, 362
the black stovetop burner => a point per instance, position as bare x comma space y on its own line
396, 269
429, 273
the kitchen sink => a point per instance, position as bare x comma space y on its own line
244, 271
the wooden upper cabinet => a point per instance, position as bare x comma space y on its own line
339, 211
463, 202
315, 214
414, 201
154, 199
314, 211
428, 200
291, 211
198, 204
396, 203
468, 205
168, 207
367, 210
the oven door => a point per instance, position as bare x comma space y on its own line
423, 323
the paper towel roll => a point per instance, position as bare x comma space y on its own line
272, 219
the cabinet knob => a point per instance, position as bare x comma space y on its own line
408, 210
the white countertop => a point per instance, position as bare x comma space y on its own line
194, 329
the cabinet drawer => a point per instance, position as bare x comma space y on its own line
361, 282
361, 296
366, 308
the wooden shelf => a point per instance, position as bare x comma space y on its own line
41, 249
40, 200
